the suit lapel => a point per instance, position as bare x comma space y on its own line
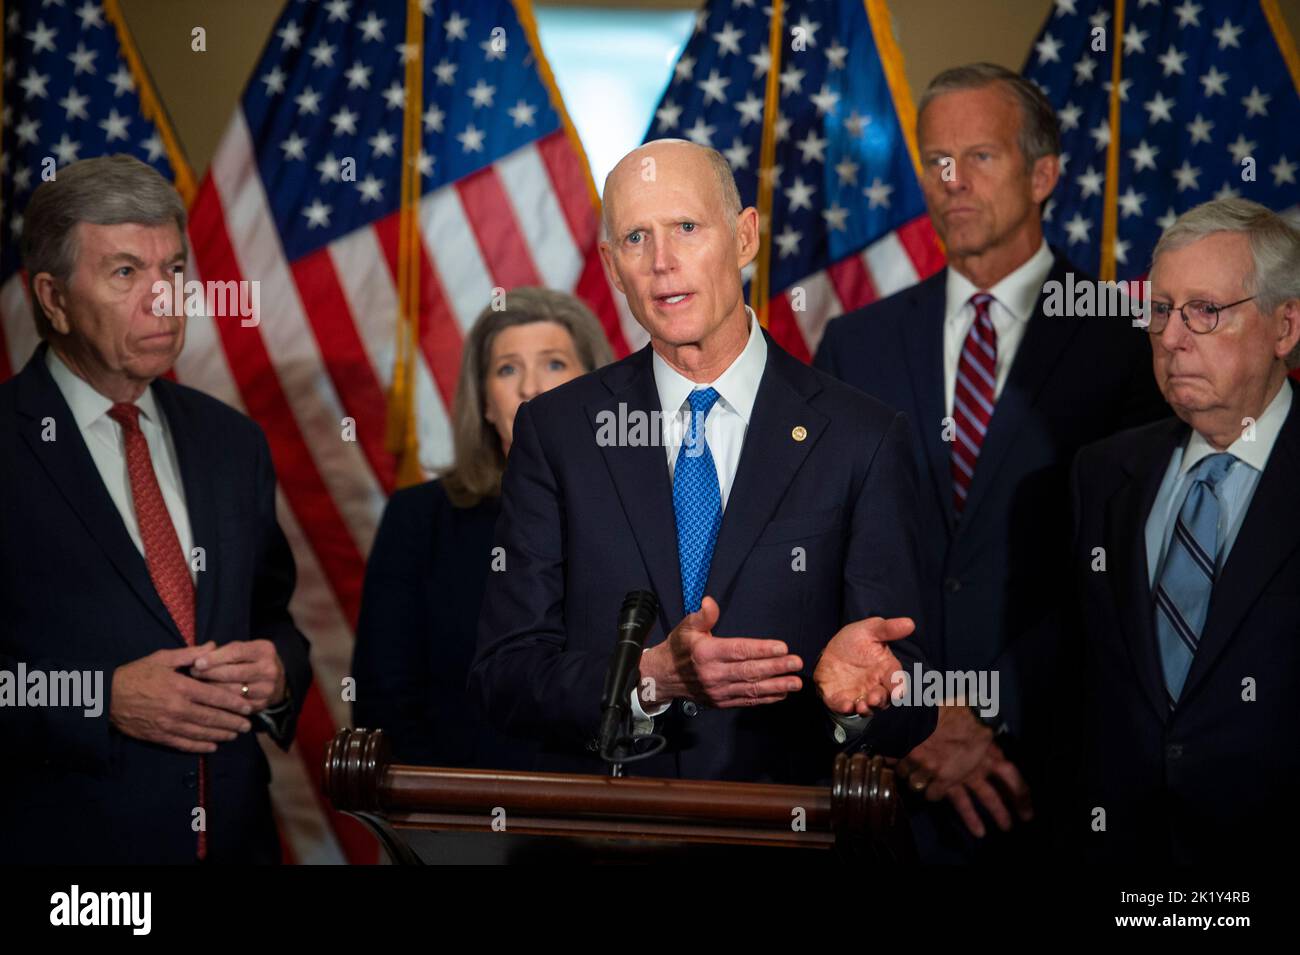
1266, 539
1042, 346
196, 478
640, 475
71, 469
769, 459
923, 347
1128, 570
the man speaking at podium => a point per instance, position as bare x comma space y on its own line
769, 507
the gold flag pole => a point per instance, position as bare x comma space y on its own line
403, 438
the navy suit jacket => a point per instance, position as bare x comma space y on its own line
994, 576
76, 595
415, 639
1216, 778
582, 525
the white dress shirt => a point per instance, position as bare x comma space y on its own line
1234, 492
1010, 311
107, 446
724, 428
724, 431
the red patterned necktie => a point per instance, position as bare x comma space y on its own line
972, 405
162, 548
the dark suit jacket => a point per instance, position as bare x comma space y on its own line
76, 595
993, 576
583, 524
1216, 778
415, 639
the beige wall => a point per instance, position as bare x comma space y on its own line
200, 90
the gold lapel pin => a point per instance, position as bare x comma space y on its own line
799, 432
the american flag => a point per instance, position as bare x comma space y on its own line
67, 93
303, 195
1208, 108
847, 221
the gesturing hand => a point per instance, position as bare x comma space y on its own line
151, 701
856, 671
717, 671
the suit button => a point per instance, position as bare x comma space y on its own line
1174, 751
952, 585
690, 708
191, 780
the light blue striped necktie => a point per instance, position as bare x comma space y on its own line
697, 501
1187, 579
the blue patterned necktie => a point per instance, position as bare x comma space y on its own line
697, 501
1187, 579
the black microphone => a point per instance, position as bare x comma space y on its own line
640, 608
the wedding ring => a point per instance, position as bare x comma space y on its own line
243, 690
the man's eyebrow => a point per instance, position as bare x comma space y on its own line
132, 259
122, 257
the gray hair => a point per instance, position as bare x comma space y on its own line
1274, 247
1040, 133
105, 190
727, 190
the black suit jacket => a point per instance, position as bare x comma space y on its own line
415, 639
582, 525
993, 576
1215, 779
76, 595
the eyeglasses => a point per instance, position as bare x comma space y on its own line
1199, 317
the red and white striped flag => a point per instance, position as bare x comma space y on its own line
305, 196
506, 200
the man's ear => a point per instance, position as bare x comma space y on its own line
1290, 328
607, 260
747, 236
1043, 177
46, 290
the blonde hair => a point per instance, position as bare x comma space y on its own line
479, 462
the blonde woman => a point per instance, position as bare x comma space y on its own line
431, 557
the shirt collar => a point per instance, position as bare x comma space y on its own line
737, 386
87, 404
1255, 453
1017, 292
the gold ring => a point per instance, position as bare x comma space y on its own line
243, 690
918, 784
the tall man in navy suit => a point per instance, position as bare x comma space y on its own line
140, 558
1190, 650
1001, 396
771, 509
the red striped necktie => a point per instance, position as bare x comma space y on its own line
162, 550
973, 397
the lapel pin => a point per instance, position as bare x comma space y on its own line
799, 432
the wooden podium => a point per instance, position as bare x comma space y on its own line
424, 814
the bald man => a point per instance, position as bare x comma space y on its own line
770, 508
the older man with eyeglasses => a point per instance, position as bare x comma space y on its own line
1187, 537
